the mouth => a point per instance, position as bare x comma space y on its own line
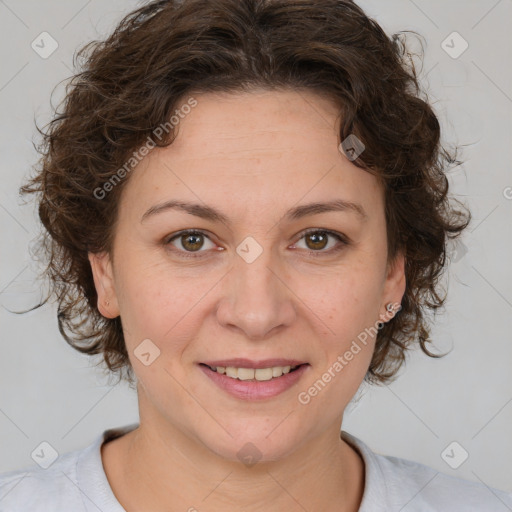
250, 380
253, 374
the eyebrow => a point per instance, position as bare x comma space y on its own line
298, 212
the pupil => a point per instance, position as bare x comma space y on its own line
320, 236
189, 237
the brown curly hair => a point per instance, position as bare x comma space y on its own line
131, 83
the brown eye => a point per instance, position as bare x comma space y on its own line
192, 242
316, 241
189, 242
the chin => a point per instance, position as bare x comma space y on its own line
257, 442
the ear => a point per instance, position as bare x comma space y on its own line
103, 275
394, 286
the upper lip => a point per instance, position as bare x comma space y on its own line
241, 362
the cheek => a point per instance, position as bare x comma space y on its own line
347, 300
151, 301
165, 307
346, 347
349, 309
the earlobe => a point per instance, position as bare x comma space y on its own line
102, 272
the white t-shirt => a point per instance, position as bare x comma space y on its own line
76, 482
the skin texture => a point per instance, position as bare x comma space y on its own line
252, 156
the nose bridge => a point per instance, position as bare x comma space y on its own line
256, 286
256, 300
254, 276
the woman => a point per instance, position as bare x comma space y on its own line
247, 214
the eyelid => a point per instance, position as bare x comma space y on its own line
340, 236
342, 239
168, 239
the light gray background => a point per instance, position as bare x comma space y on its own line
50, 392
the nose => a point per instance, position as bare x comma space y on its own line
255, 298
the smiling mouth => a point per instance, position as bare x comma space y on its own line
254, 374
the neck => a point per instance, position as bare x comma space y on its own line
158, 468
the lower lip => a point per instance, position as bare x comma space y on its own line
255, 390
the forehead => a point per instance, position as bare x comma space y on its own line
259, 148
260, 122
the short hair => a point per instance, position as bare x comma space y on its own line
133, 81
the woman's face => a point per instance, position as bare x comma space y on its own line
254, 285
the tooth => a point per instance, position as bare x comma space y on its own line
260, 374
231, 372
246, 373
277, 371
263, 374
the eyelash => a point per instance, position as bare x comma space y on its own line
344, 241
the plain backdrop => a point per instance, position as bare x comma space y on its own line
49, 392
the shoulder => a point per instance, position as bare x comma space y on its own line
439, 491
394, 483
37, 489
76, 482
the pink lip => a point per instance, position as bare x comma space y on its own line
240, 362
252, 389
